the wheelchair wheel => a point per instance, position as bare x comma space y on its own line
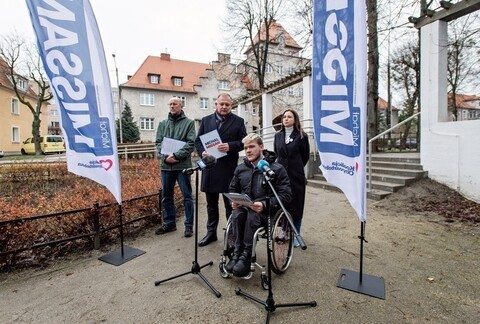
228, 247
282, 243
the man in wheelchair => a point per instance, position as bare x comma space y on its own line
248, 179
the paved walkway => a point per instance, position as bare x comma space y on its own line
430, 272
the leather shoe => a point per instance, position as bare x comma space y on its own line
209, 238
242, 267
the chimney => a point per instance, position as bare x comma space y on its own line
129, 77
165, 57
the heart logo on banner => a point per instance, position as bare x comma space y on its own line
106, 164
356, 166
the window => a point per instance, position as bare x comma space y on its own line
184, 101
281, 91
268, 68
203, 103
146, 123
21, 84
300, 92
154, 78
291, 70
280, 70
254, 109
147, 99
177, 82
15, 134
224, 85
15, 108
290, 91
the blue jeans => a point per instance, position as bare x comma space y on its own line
168, 181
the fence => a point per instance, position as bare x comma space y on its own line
87, 226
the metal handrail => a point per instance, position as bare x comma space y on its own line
374, 138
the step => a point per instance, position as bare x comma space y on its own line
417, 174
403, 180
376, 185
374, 194
396, 165
395, 159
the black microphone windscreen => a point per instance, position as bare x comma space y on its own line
210, 161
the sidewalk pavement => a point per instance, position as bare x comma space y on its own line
430, 271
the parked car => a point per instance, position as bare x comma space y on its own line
411, 143
48, 144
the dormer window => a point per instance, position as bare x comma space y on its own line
154, 78
22, 84
178, 82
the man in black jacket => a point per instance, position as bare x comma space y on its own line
215, 181
248, 179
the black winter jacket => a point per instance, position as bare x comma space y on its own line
249, 180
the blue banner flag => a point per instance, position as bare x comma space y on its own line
339, 76
74, 60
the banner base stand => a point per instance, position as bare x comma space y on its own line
367, 285
121, 256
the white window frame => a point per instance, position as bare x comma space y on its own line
154, 79
280, 69
223, 85
254, 109
177, 82
291, 70
147, 123
15, 134
268, 68
203, 103
21, 84
147, 99
291, 91
15, 106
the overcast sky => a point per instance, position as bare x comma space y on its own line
132, 30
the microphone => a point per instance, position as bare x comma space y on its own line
207, 162
264, 166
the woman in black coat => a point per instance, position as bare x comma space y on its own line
293, 150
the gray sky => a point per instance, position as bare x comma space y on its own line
132, 30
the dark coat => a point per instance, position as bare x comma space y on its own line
232, 132
249, 180
294, 156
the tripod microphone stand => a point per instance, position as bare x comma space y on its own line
195, 266
269, 303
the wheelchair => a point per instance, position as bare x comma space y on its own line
282, 236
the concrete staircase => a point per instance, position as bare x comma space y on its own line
390, 172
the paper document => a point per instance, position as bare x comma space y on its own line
170, 146
210, 142
241, 199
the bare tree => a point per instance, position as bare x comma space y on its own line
463, 59
20, 58
373, 59
406, 77
248, 25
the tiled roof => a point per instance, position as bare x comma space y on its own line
168, 68
275, 30
5, 81
464, 101
383, 104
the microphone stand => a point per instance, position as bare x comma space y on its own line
195, 266
269, 303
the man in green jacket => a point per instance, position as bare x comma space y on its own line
180, 128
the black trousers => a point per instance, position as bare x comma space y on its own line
245, 223
213, 210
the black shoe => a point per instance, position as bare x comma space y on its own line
188, 231
231, 263
209, 238
165, 229
242, 267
